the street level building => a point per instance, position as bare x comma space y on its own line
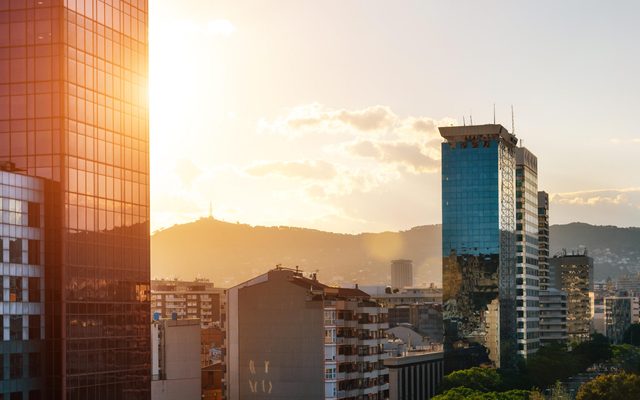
415, 375
478, 245
292, 337
175, 359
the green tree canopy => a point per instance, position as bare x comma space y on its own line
477, 378
611, 387
626, 357
632, 335
464, 393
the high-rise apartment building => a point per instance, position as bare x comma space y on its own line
22, 275
573, 274
543, 239
291, 337
527, 281
401, 274
478, 243
73, 110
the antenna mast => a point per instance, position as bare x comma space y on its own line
513, 124
494, 113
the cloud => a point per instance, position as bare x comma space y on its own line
187, 171
408, 155
628, 196
314, 170
315, 116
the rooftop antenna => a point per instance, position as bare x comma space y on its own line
464, 121
494, 113
210, 210
513, 124
470, 119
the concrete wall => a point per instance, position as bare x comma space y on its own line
276, 341
179, 358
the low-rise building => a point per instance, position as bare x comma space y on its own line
187, 299
415, 375
175, 359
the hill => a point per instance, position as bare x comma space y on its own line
230, 253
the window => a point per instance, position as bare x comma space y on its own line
34, 252
15, 251
15, 328
15, 367
1, 369
1, 250
34, 290
34, 327
34, 365
34, 395
15, 288
330, 373
34, 214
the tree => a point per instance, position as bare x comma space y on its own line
632, 335
594, 351
464, 393
611, 387
626, 357
476, 378
558, 392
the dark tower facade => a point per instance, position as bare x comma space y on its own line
73, 110
478, 245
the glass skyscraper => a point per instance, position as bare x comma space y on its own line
478, 245
527, 280
73, 110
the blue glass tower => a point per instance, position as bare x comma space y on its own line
478, 245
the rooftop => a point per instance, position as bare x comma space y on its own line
489, 131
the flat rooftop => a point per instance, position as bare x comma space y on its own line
458, 133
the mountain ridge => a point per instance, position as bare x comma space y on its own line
229, 253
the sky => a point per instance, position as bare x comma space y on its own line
325, 114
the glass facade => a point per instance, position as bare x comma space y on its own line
478, 241
21, 285
73, 109
527, 280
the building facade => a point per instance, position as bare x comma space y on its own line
415, 375
553, 316
73, 110
401, 274
543, 239
291, 337
573, 274
478, 243
175, 359
619, 313
527, 252
187, 299
22, 275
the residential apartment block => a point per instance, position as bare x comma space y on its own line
292, 337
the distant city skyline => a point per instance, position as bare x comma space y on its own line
295, 123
